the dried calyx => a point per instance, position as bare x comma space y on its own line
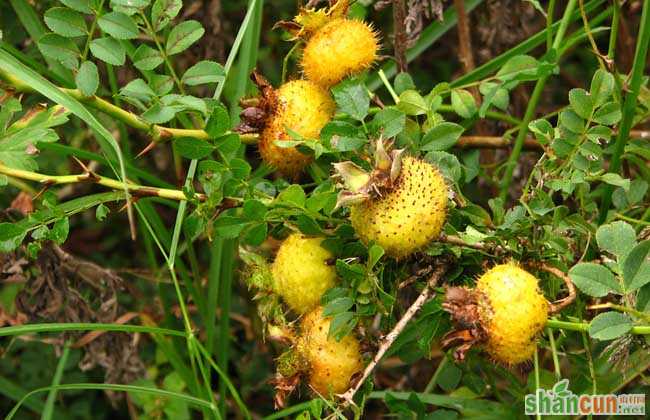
257, 111
309, 20
358, 185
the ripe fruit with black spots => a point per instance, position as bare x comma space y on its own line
340, 48
302, 272
303, 107
401, 206
331, 364
504, 313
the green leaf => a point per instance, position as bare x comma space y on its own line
581, 102
402, 82
65, 22
87, 78
352, 98
255, 234
543, 130
609, 325
129, 7
219, 122
608, 114
308, 225
442, 136
82, 6
602, 86
17, 149
293, 194
571, 121
240, 168
388, 122
636, 270
146, 58
463, 103
137, 90
447, 163
254, 210
518, 67
101, 212
203, 72
11, 236
61, 49
412, 103
192, 148
615, 179
183, 35
594, 279
59, 231
163, 11
118, 25
617, 238
228, 226
109, 50
159, 114
375, 252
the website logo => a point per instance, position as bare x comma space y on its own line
562, 401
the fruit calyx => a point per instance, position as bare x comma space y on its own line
309, 20
358, 185
463, 304
257, 111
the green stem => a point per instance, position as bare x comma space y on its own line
537, 382
590, 360
136, 189
638, 67
549, 23
532, 105
556, 360
613, 33
91, 32
583, 326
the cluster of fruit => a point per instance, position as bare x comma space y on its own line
401, 205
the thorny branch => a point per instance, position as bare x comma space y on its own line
389, 339
400, 42
557, 306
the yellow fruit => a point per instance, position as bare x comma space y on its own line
331, 363
302, 272
513, 312
407, 217
340, 48
303, 107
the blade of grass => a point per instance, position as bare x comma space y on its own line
638, 66
15, 392
524, 47
84, 326
532, 107
429, 35
48, 411
225, 292
116, 387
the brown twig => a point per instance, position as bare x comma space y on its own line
455, 240
558, 305
399, 21
465, 42
494, 142
389, 339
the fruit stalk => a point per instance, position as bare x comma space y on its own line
388, 340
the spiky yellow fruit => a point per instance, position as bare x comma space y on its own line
302, 272
513, 312
303, 107
407, 217
340, 48
331, 363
